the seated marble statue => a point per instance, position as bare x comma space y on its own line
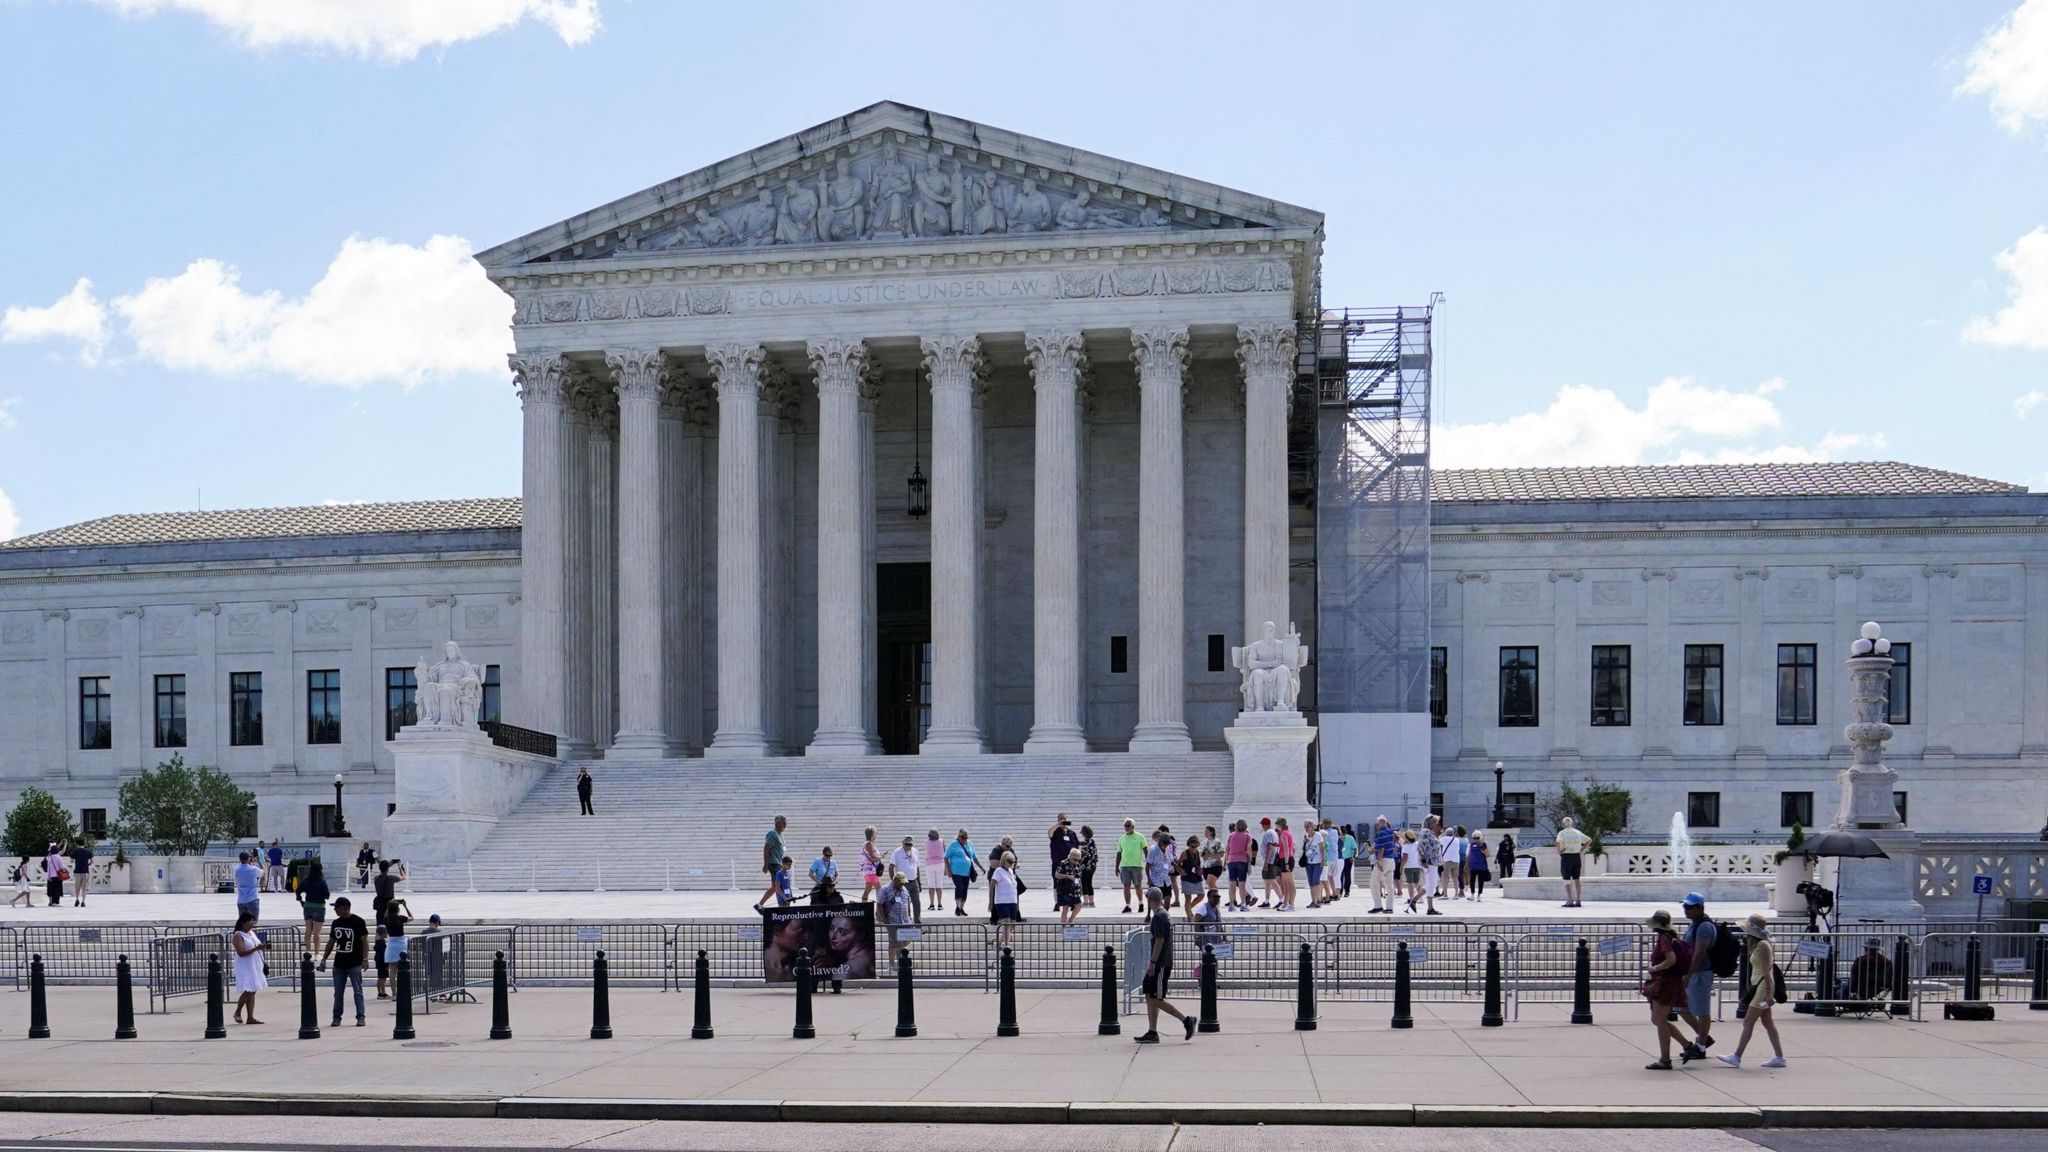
1271, 666
450, 692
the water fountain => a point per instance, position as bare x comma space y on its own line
1681, 846
1681, 873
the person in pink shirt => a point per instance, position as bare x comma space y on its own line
1285, 864
1237, 858
934, 871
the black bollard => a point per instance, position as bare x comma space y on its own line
1490, 1016
124, 1000
700, 1027
1902, 979
1582, 985
600, 998
1209, 1023
2038, 1000
804, 1029
38, 1006
309, 999
1973, 980
1108, 1025
401, 1028
1743, 985
1305, 991
906, 1004
501, 1000
1403, 1015
1006, 995
216, 996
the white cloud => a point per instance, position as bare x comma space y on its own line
382, 312
2025, 405
10, 523
394, 30
1595, 426
77, 315
2024, 322
2010, 65
7, 413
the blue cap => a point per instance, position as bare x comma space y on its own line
1694, 900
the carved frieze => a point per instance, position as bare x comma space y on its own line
17, 632
480, 616
1988, 589
1612, 593
1518, 594
1892, 590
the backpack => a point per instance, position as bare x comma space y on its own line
1428, 849
1725, 953
1778, 984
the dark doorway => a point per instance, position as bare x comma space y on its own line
903, 634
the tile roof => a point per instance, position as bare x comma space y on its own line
263, 523
1709, 481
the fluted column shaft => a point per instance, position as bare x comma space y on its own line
579, 628
1161, 356
537, 695
642, 668
843, 532
1056, 362
738, 371
954, 364
604, 588
1266, 353
682, 562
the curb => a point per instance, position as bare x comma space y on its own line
1019, 1112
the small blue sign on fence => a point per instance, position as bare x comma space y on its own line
1418, 954
1981, 885
1614, 945
88, 935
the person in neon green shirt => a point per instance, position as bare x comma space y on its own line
1130, 862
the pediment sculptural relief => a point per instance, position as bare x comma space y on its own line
890, 190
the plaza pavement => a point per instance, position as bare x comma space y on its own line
1353, 1067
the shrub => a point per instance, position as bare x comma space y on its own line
174, 810
37, 821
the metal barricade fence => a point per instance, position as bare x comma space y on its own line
178, 965
952, 953
2006, 964
1830, 972
1543, 966
445, 965
733, 948
635, 954
85, 955
1446, 959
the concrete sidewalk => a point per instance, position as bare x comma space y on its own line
1353, 1059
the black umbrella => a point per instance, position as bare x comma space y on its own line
1841, 842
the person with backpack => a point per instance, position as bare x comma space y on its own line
1714, 952
1763, 969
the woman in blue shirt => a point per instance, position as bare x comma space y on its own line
1348, 848
824, 871
961, 865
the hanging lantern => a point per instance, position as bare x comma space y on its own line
918, 504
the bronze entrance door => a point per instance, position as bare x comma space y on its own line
903, 634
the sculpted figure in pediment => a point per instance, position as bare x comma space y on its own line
846, 213
979, 210
797, 222
756, 220
893, 187
711, 232
1030, 209
932, 214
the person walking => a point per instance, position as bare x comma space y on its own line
1189, 866
1429, 853
22, 895
1411, 866
1455, 859
963, 866
1664, 983
346, 942
1570, 865
313, 896
870, 865
81, 871
248, 886
1269, 862
1090, 858
396, 916
772, 852
1762, 998
1212, 858
1285, 848
934, 871
584, 787
1159, 970
1004, 892
1312, 863
1347, 847
1061, 839
1698, 1009
1066, 887
1385, 862
1159, 864
1130, 862
249, 979
1505, 855
903, 862
54, 874
275, 873
1478, 868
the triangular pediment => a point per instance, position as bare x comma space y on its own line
888, 174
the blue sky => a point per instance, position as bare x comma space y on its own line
1742, 231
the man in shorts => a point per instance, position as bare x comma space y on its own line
1159, 970
1130, 862
1385, 861
1237, 858
772, 851
1269, 861
1570, 844
1698, 1012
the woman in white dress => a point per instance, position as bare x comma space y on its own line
249, 980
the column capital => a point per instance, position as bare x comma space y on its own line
592, 396
954, 360
538, 376
637, 373
685, 397
1159, 352
1056, 356
1265, 349
736, 368
840, 364
780, 396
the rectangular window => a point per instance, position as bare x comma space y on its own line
245, 825
1219, 656
491, 709
1520, 808
1703, 684
1436, 805
1703, 809
1119, 654
320, 820
95, 713
323, 706
93, 822
401, 692
1899, 802
1610, 685
1899, 704
1439, 687
1795, 808
1518, 687
170, 711
245, 709
1795, 683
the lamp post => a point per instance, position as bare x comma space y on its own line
340, 821
1500, 797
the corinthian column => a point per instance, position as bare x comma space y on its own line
1056, 362
537, 695
1266, 353
954, 362
1161, 356
737, 368
844, 530
639, 374
603, 559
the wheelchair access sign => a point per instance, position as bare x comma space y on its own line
1981, 885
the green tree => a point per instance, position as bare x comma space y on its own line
174, 810
1599, 810
37, 821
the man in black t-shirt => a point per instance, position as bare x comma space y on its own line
386, 885
1159, 970
349, 937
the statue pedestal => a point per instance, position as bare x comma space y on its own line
1269, 751
1878, 889
453, 785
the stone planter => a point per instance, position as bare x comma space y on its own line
116, 878
184, 874
1792, 872
149, 875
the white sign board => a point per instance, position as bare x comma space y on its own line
590, 935
1074, 934
1222, 949
906, 935
750, 932
1418, 955
1614, 945
2009, 965
1814, 949
1525, 865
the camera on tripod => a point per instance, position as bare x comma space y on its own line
1820, 901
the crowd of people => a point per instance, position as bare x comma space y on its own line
1678, 979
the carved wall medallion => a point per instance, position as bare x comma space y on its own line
1612, 593
1704, 593
169, 627
92, 629
17, 633
1804, 590
401, 619
480, 616
1983, 589
1518, 594
1892, 590
243, 623
321, 620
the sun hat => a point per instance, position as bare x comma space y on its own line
1694, 900
1756, 926
1660, 920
